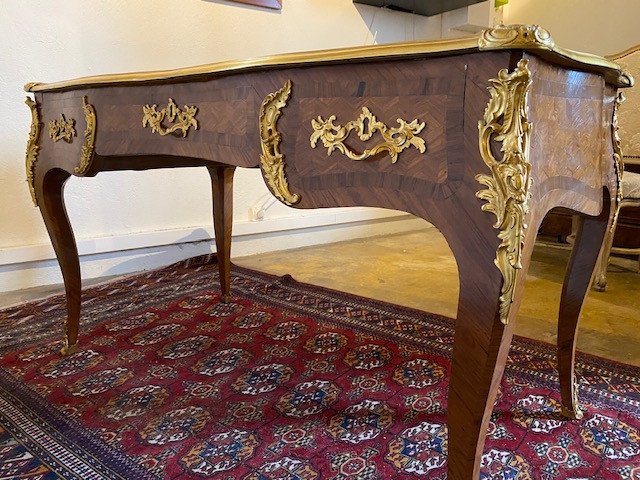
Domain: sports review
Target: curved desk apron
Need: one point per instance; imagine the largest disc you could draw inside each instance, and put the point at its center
(480, 137)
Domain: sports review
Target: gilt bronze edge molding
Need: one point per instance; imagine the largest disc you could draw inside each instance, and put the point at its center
(533, 38)
(271, 159)
(32, 147)
(396, 140)
(491, 39)
(86, 153)
(515, 36)
(186, 118)
(508, 187)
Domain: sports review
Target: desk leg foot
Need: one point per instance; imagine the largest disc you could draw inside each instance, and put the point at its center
(222, 190)
(69, 350)
(584, 257)
(600, 285)
(575, 414)
(50, 195)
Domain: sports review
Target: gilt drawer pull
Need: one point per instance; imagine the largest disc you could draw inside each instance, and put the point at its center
(395, 139)
(186, 118)
(62, 129)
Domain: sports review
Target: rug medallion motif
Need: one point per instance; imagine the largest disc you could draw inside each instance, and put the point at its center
(286, 381)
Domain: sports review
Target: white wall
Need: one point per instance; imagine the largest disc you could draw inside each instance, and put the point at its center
(594, 26)
(55, 40)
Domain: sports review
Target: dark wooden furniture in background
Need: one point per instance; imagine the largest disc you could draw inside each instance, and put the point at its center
(481, 137)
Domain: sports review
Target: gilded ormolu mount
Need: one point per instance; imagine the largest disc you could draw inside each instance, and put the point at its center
(535, 39)
(32, 148)
(508, 187)
(271, 159)
(617, 157)
(184, 118)
(86, 154)
(515, 36)
(395, 140)
(62, 129)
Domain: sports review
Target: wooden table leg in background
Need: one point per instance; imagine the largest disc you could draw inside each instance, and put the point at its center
(588, 245)
(49, 192)
(222, 189)
(49, 189)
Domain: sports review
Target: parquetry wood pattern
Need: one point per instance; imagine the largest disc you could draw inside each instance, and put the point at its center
(571, 157)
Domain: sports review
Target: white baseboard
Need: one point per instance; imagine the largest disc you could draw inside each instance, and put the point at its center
(34, 265)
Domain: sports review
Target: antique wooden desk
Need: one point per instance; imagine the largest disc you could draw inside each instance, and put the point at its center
(481, 137)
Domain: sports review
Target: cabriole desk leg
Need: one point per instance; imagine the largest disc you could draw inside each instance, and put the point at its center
(222, 190)
(480, 350)
(49, 190)
(584, 257)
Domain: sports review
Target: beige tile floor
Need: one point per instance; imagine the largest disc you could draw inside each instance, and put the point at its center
(417, 269)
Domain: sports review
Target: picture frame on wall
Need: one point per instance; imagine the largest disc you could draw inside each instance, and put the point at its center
(275, 4)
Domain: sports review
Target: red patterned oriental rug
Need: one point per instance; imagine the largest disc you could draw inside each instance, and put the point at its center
(289, 381)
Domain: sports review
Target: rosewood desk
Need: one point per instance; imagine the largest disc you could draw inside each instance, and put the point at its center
(480, 137)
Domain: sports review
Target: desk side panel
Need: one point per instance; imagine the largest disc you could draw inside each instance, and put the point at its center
(62, 154)
(571, 151)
